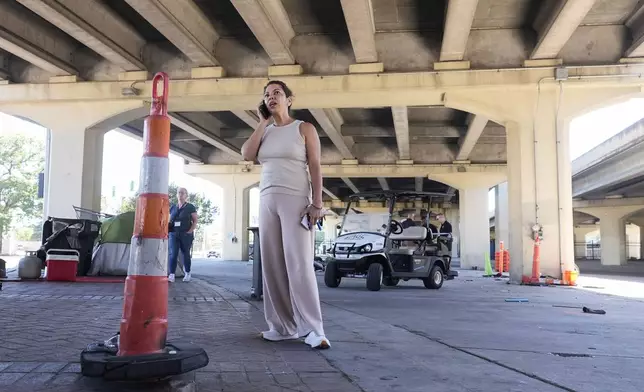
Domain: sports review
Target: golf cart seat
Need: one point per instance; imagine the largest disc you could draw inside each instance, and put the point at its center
(413, 233)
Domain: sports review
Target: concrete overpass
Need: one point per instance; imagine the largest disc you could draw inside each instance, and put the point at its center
(455, 95)
(615, 168)
(608, 187)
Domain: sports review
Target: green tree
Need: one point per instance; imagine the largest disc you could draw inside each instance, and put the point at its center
(22, 158)
(24, 233)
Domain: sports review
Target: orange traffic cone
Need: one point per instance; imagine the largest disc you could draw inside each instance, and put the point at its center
(536, 273)
(144, 323)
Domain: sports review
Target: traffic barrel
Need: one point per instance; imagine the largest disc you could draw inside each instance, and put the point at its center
(144, 324)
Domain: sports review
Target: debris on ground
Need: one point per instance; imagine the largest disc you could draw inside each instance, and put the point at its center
(516, 300)
(593, 311)
(583, 309)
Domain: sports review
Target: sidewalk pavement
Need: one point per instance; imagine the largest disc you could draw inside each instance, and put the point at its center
(45, 326)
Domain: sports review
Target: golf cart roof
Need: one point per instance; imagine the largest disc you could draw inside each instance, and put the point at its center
(397, 194)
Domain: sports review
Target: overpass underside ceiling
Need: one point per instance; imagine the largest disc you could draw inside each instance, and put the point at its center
(630, 188)
(324, 37)
(370, 136)
(339, 187)
(580, 218)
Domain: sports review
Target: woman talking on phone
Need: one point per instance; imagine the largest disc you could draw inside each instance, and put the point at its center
(290, 205)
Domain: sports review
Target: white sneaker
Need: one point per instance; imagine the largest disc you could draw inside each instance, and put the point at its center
(316, 341)
(275, 336)
(171, 278)
(187, 277)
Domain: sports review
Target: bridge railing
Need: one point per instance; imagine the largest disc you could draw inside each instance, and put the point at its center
(592, 250)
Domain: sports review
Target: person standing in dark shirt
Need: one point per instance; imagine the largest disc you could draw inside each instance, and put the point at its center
(183, 222)
(445, 228)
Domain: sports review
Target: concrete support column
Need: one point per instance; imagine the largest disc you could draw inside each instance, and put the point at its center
(539, 192)
(636, 239)
(501, 217)
(235, 214)
(612, 231)
(74, 172)
(474, 227)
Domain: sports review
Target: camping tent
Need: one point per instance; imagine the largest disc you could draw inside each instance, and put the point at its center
(112, 253)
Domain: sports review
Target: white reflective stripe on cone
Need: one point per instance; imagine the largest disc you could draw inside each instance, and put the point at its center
(148, 257)
(154, 175)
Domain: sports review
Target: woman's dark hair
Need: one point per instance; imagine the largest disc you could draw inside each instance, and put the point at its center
(284, 87)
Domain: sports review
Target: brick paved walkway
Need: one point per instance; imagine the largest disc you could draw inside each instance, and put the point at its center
(44, 326)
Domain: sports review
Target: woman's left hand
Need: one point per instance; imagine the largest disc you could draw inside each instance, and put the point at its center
(314, 213)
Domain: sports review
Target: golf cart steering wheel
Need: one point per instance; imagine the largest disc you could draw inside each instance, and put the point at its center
(396, 227)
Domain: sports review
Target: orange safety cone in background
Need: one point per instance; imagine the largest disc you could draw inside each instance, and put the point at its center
(501, 257)
(536, 273)
(144, 324)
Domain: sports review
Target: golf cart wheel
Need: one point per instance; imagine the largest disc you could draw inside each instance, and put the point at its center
(332, 276)
(435, 279)
(389, 281)
(374, 277)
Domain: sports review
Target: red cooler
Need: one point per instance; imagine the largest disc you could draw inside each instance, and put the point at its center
(62, 264)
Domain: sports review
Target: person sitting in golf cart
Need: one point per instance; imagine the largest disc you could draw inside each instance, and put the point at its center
(409, 222)
(432, 230)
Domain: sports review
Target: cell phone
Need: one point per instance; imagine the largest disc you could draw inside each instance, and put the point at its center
(306, 222)
(263, 109)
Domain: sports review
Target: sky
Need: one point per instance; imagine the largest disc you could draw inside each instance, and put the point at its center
(122, 153)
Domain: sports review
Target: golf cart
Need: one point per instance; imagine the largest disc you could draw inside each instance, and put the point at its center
(375, 246)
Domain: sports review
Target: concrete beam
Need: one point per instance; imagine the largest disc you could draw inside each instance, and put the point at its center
(182, 136)
(608, 203)
(415, 130)
(474, 130)
(359, 171)
(330, 194)
(556, 23)
(450, 194)
(183, 24)
(4, 66)
(331, 122)
(418, 131)
(378, 206)
(337, 91)
(268, 20)
(350, 184)
(635, 23)
(24, 35)
(196, 130)
(419, 184)
(637, 188)
(362, 31)
(401, 126)
(204, 120)
(458, 22)
(248, 117)
(95, 25)
(383, 183)
(186, 153)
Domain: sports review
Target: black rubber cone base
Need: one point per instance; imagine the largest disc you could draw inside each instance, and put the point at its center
(99, 360)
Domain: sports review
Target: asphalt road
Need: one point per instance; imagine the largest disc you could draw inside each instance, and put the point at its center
(466, 337)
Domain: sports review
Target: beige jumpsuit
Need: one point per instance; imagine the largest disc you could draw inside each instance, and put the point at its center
(291, 299)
